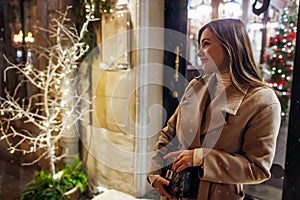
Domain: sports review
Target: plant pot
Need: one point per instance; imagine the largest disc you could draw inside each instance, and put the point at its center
(73, 194)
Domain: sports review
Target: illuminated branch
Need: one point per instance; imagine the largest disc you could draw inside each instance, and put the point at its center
(56, 106)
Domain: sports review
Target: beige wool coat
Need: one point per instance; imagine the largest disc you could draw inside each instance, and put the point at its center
(236, 131)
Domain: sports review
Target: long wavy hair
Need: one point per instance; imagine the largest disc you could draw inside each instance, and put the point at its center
(236, 43)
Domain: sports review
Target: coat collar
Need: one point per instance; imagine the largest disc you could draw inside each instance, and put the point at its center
(234, 97)
(198, 95)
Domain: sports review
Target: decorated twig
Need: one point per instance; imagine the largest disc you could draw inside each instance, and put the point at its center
(57, 106)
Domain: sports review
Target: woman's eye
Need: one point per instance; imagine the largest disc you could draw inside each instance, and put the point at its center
(204, 44)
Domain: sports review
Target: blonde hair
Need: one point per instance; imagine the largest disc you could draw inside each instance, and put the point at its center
(235, 41)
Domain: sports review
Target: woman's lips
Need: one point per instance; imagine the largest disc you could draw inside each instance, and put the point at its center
(203, 60)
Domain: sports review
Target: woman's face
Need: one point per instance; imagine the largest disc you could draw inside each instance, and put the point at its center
(212, 54)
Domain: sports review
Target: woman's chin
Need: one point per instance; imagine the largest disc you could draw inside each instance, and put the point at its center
(208, 69)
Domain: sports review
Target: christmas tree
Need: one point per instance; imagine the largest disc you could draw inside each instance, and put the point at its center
(280, 61)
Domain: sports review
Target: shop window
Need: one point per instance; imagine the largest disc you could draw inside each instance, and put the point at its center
(273, 38)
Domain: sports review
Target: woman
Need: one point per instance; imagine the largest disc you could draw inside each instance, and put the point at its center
(226, 124)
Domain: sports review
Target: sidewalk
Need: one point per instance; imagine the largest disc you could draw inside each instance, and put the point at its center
(13, 179)
(116, 195)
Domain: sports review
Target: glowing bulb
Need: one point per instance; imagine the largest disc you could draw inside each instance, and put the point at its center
(57, 175)
(53, 151)
(19, 54)
(66, 91)
(28, 66)
(29, 38)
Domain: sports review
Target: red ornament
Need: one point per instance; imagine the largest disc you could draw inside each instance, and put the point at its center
(280, 37)
(281, 60)
(266, 57)
(288, 68)
(291, 36)
(281, 83)
(271, 42)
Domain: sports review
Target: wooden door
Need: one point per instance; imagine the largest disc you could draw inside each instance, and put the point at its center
(174, 55)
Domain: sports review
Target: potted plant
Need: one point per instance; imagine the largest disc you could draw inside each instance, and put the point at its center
(66, 184)
(51, 111)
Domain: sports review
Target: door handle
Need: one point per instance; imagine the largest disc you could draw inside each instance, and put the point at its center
(176, 75)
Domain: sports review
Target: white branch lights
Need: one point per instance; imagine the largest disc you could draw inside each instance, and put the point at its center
(56, 106)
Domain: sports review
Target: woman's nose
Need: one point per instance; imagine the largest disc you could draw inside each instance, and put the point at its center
(200, 52)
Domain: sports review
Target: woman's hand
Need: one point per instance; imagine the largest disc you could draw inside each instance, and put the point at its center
(184, 159)
(159, 185)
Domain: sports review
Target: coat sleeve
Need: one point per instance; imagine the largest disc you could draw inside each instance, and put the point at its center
(252, 164)
(167, 139)
(163, 145)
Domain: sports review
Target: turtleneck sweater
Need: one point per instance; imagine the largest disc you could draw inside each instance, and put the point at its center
(223, 81)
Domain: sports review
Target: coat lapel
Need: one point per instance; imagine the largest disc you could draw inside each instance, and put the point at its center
(192, 108)
(234, 99)
(192, 122)
(226, 103)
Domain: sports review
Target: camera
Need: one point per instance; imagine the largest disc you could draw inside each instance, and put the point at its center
(183, 184)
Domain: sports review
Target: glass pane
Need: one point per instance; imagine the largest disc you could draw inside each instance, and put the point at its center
(273, 44)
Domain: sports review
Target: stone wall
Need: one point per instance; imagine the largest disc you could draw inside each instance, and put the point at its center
(110, 144)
